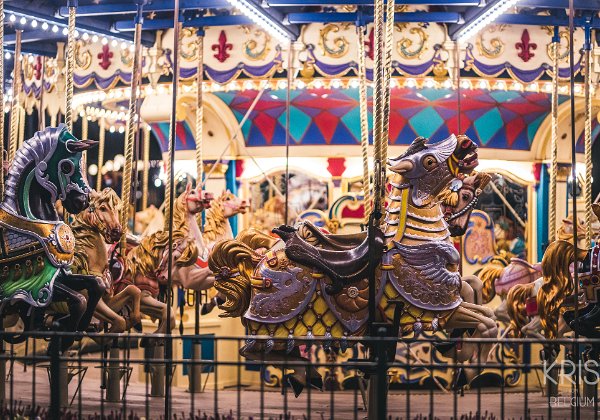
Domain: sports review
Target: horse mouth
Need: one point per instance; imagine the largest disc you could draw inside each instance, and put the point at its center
(112, 236)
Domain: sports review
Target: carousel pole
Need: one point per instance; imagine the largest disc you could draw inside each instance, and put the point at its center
(14, 111)
(574, 197)
(84, 135)
(41, 112)
(554, 145)
(146, 173)
(70, 64)
(171, 202)
(195, 385)
(101, 140)
(2, 353)
(364, 117)
(288, 107)
(131, 125)
(588, 136)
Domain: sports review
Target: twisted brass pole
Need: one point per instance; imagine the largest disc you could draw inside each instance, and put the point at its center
(101, 140)
(554, 145)
(146, 178)
(587, 190)
(84, 136)
(14, 112)
(378, 94)
(131, 129)
(200, 108)
(364, 121)
(70, 63)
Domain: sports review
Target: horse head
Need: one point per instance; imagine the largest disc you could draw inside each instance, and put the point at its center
(459, 198)
(232, 205)
(429, 167)
(104, 213)
(196, 200)
(54, 157)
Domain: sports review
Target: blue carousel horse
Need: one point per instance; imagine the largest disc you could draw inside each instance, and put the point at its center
(36, 247)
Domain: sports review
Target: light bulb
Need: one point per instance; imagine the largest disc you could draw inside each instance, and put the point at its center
(65, 31)
(34, 23)
(23, 21)
(55, 29)
(12, 18)
(95, 39)
(45, 26)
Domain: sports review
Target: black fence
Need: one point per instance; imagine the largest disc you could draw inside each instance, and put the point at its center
(130, 376)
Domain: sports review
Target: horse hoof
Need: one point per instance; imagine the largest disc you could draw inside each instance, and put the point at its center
(293, 383)
(316, 382)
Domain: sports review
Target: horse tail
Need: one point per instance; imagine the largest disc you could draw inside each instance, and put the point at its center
(233, 263)
(515, 305)
(557, 283)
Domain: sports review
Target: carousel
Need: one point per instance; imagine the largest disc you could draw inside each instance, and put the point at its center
(241, 209)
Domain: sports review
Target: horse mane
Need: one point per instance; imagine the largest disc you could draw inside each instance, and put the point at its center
(491, 272)
(515, 306)
(36, 149)
(216, 222)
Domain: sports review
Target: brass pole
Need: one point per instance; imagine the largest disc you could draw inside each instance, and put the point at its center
(14, 112)
(101, 140)
(70, 63)
(146, 174)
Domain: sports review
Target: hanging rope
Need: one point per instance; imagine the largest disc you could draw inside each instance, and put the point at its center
(364, 120)
(200, 108)
(588, 139)
(554, 145)
(131, 126)
(14, 112)
(2, 101)
(101, 139)
(70, 62)
(146, 168)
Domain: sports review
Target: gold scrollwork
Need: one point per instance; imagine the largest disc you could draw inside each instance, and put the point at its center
(404, 45)
(496, 46)
(27, 68)
(83, 57)
(254, 49)
(126, 57)
(189, 50)
(563, 52)
(340, 43)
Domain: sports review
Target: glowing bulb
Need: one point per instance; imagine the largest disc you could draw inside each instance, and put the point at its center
(23, 21)
(76, 33)
(123, 45)
(93, 169)
(95, 39)
(85, 36)
(7, 55)
(104, 41)
(65, 31)
(45, 26)
(34, 23)
(157, 182)
(55, 29)
(113, 43)
(112, 129)
(12, 18)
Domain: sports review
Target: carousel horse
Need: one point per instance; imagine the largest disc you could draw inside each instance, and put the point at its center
(37, 247)
(94, 229)
(217, 225)
(504, 271)
(321, 288)
(146, 265)
(535, 309)
(588, 314)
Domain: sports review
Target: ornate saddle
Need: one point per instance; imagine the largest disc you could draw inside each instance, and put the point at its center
(315, 236)
(342, 263)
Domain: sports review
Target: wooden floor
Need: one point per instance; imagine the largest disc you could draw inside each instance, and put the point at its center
(252, 403)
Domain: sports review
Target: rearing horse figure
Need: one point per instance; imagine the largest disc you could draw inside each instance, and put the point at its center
(37, 247)
(94, 229)
(322, 290)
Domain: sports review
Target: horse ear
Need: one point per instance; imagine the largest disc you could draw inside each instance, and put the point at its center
(188, 187)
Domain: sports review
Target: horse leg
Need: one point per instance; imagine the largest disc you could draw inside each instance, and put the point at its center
(533, 328)
(130, 294)
(501, 312)
(158, 310)
(77, 305)
(485, 327)
(477, 287)
(480, 309)
(299, 374)
(105, 313)
(194, 277)
(95, 289)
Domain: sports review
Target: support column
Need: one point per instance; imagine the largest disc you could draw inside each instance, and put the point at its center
(113, 372)
(542, 197)
(231, 185)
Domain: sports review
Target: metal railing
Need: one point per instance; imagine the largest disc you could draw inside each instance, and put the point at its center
(118, 376)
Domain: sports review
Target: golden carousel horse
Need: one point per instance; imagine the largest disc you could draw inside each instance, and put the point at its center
(217, 225)
(321, 289)
(94, 229)
(146, 265)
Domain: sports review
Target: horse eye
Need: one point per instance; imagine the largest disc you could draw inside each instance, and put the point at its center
(429, 162)
(66, 167)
